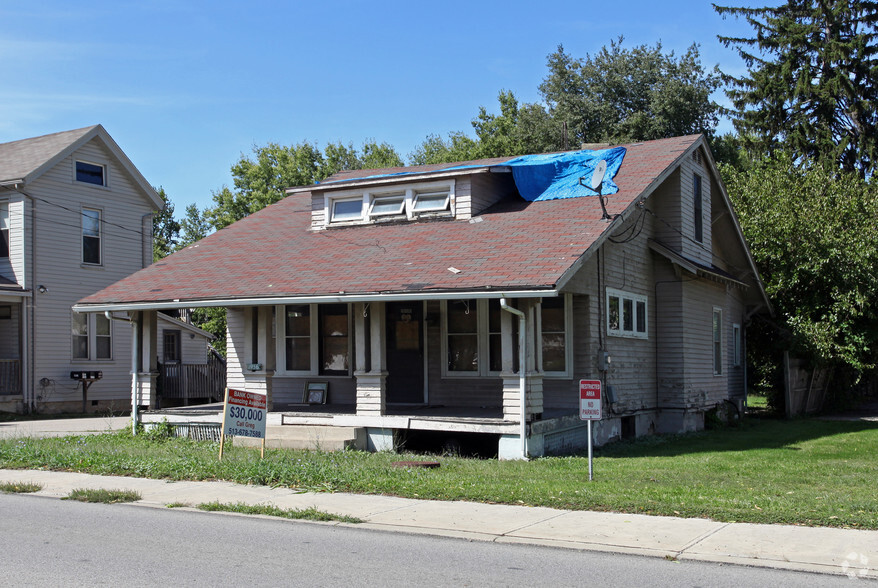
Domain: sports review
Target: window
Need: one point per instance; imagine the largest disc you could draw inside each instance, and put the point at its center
(91, 336)
(627, 314)
(736, 341)
(473, 337)
(334, 339)
(297, 336)
(347, 210)
(698, 209)
(171, 345)
(5, 313)
(91, 236)
(4, 229)
(431, 201)
(316, 339)
(90, 173)
(387, 205)
(390, 203)
(717, 341)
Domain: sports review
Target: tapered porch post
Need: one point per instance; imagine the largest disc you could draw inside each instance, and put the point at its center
(148, 364)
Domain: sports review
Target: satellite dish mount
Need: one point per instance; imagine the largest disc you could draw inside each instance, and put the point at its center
(595, 184)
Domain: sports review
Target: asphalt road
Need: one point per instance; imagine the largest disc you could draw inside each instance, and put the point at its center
(49, 542)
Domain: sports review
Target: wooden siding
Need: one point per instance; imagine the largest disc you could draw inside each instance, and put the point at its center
(59, 268)
(236, 350)
(10, 331)
(12, 267)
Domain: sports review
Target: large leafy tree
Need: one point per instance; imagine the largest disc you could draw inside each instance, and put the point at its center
(812, 80)
(165, 229)
(634, 94)
(812, 231)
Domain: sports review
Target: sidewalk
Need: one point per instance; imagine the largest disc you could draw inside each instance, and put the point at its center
(812, 549)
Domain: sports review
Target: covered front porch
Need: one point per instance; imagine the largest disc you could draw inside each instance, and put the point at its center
(389, 367)
(12, 351)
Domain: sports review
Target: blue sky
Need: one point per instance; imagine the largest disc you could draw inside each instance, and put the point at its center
(186, 87)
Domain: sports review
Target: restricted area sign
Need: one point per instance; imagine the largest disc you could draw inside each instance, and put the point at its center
(590, 400)
(245, 414)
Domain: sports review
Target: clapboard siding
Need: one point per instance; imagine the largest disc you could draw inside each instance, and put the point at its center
(236, 347)
(9, 331)
(58, 239)
(690, 247)
(13, 267)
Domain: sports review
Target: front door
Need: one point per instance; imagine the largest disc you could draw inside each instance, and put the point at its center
(405, 352)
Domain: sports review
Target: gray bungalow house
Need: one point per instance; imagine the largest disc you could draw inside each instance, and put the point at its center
(471, 298)
(75, 217)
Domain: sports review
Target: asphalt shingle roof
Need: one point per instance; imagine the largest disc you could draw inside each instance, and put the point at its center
(19, 159)
(273, 253)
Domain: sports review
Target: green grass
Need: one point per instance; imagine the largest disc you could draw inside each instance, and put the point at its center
(20, 487)
(309, 514)
(103, 496)
(757, 402)
(806, 472)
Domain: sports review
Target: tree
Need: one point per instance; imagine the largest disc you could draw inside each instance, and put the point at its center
(517, 130)
(813, 236)
(193, 227)
(812, 84)
(165, 230)
(634, 94)
(435, 149)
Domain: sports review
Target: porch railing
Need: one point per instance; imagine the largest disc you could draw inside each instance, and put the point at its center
(10, 377)
(187, 381)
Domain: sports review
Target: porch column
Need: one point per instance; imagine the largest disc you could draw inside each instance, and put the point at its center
(511, 380)
(372, 385)
(148, 363)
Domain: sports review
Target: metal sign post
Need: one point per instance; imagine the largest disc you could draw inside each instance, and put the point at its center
(590, 410)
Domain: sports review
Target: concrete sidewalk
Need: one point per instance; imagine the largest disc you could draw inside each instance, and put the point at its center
(813, 549)
(63, 427)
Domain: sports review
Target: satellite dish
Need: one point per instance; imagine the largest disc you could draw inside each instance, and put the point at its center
(597, 176)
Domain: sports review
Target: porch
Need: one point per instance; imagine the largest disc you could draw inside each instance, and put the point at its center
(10, 377)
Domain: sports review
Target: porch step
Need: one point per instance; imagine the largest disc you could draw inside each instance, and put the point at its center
(309, 437)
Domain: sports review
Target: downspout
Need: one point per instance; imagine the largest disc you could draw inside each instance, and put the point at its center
(134, 333)
(522, 367)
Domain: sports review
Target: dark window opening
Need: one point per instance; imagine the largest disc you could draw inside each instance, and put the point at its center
(90, 173)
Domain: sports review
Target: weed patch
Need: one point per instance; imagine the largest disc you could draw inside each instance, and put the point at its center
(103, 496)
(20, 487)
(310, 514)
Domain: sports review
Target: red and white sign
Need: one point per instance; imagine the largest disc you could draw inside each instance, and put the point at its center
(245, 414)
(590, 400)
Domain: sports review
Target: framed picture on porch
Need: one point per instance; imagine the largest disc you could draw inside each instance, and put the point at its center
(315, 392)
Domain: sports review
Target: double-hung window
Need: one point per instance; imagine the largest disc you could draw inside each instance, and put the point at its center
(316, 339)
(627, 314)
(473, 344)
(91, 236)
(717, 341)
(4, 229)
(92, 337)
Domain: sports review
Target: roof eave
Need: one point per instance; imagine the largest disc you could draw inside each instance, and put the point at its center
(532, 292)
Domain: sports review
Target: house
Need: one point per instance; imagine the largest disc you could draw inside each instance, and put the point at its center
(75, 217)
(190, 370)
(413, 296)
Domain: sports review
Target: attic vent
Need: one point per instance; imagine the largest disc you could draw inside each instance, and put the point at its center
(696, 156)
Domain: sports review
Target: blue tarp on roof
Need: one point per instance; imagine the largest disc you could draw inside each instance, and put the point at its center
(551, 176)
(555, 176)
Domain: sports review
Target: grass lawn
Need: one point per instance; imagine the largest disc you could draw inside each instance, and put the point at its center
(805, 472)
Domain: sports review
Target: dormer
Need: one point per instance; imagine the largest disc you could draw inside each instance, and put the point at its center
(411, 197)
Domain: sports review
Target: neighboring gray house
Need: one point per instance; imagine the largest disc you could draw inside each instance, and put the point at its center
(75, 216)
(415, 296)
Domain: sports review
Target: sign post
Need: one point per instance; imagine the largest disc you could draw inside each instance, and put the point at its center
(590, 410)
(244, 415)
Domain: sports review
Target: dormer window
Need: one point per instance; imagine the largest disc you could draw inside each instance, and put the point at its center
(387, 205)
(434, 199)
(431, 201)
(347, 210)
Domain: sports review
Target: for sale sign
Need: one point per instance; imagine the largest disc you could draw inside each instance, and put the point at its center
(245, 414)
(590, 400)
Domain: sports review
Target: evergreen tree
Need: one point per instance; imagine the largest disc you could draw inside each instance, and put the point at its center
(811, 85)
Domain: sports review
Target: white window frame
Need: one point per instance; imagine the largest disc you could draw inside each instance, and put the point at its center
(635, 299)
(103, 166)
(737, 344)
(91, 334)
(4, 228)
(716, 340)
(379, 198)
(100, 236)
(407, 210)
(280, 330)
(483, 334)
